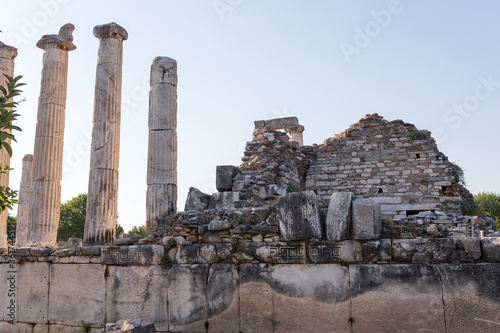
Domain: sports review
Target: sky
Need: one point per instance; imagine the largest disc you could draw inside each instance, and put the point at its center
(435, 64)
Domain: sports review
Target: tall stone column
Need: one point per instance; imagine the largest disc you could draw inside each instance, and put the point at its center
(161, 197)
(102, 197)
(23, 207)
(45, 202)
(7, 56)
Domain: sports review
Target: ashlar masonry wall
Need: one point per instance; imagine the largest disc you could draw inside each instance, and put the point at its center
(392, 163)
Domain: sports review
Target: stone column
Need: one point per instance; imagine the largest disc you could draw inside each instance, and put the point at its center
(7, 56)
(23, 207)
(102, 197)
(45, 201)
(161, 197)
(296, 134)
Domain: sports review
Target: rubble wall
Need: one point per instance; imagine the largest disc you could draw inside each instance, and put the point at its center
(433, 285)
(393, 163)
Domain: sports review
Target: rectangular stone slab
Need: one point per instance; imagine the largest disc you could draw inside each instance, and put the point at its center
(471, 294)
(338, 218)
(299, 216)
(77, 289)
(396, 298)
(223, 299)
(137, 292)
(33, 297)
(366, 219)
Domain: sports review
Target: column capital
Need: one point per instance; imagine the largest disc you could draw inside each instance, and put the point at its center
(112, 30)
(8, 52)
(164, 70)
(61, 41)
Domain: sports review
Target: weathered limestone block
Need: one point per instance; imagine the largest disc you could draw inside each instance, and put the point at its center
(132, 255)
(136, 292)
(218, 224)
(4, 290)
(276, 253)
(223, 298)
(338, 218)
(188, 254)
(187, 294)
(490, 247)
(329, 252)
(224, 177)
(377, 250)
(7, 56)
(49, 137)
(436, 250)
(70, 329)
(471, 296)
(299, 216)
(33, 297)
(305, 293)
(256, 298)
(23, 207)
(222, 200)
(396, 298)
(100, 223)
(280, 123)
(23, 328)
(214, 253)
(366, 219)
(197, 200)
(77, 289)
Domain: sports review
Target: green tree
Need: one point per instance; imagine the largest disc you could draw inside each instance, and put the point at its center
(12, 223)
(140, 230)
(490, 204)
(8, 114)
(72, 219)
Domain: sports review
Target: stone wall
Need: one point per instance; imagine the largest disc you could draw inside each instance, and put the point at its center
(393, 163)
(436, 285)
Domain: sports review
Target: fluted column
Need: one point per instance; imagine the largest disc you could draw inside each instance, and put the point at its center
(102, 197)
(45, 202)
(23, 207)
(161, 196)
(7, 56)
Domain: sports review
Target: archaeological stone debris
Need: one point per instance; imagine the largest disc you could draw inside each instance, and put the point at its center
(361, 233)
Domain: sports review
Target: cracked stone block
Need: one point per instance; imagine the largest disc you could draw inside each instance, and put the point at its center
(338, 216)
(222, 298)
(299, 216)
(366, 219)
(302, 294)
(222, 200)
(224, 177)
(187, 294)
(197, 200)
(491, 249)
(436, 250)
(396, 298)
(377, 250)
(471, 295)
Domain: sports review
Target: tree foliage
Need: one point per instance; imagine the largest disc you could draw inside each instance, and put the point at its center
(12, 224)
(490, 204)
(140, 230)
(8, 114)
(72, 219)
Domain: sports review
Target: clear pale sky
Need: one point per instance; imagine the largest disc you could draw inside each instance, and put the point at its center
(435, 64)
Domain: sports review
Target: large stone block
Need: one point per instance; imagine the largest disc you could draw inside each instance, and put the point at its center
(377, 250)
(276, 253)
(132, 255)
(223, 298)
(77, 289)
(137, 292)
(6, 327)
(338, 217)
(490, 247)
(366, 219)
(187, 294)
(222, 200)
(224, 177)
(256, 298)
(471, 295)
(197, 200)
(396, 298)
(331, 252)
(311, 298)
(33, 297)
(299, 216)
(70, 329)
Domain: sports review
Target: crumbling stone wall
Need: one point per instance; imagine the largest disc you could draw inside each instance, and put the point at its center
(393, 163)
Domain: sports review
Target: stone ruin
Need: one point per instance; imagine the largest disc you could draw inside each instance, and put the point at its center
(362, 233)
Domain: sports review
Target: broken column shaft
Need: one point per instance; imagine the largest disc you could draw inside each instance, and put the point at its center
(102, 198)
(23, 207)
(7, 56)
(161, 197)
(45, 201)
